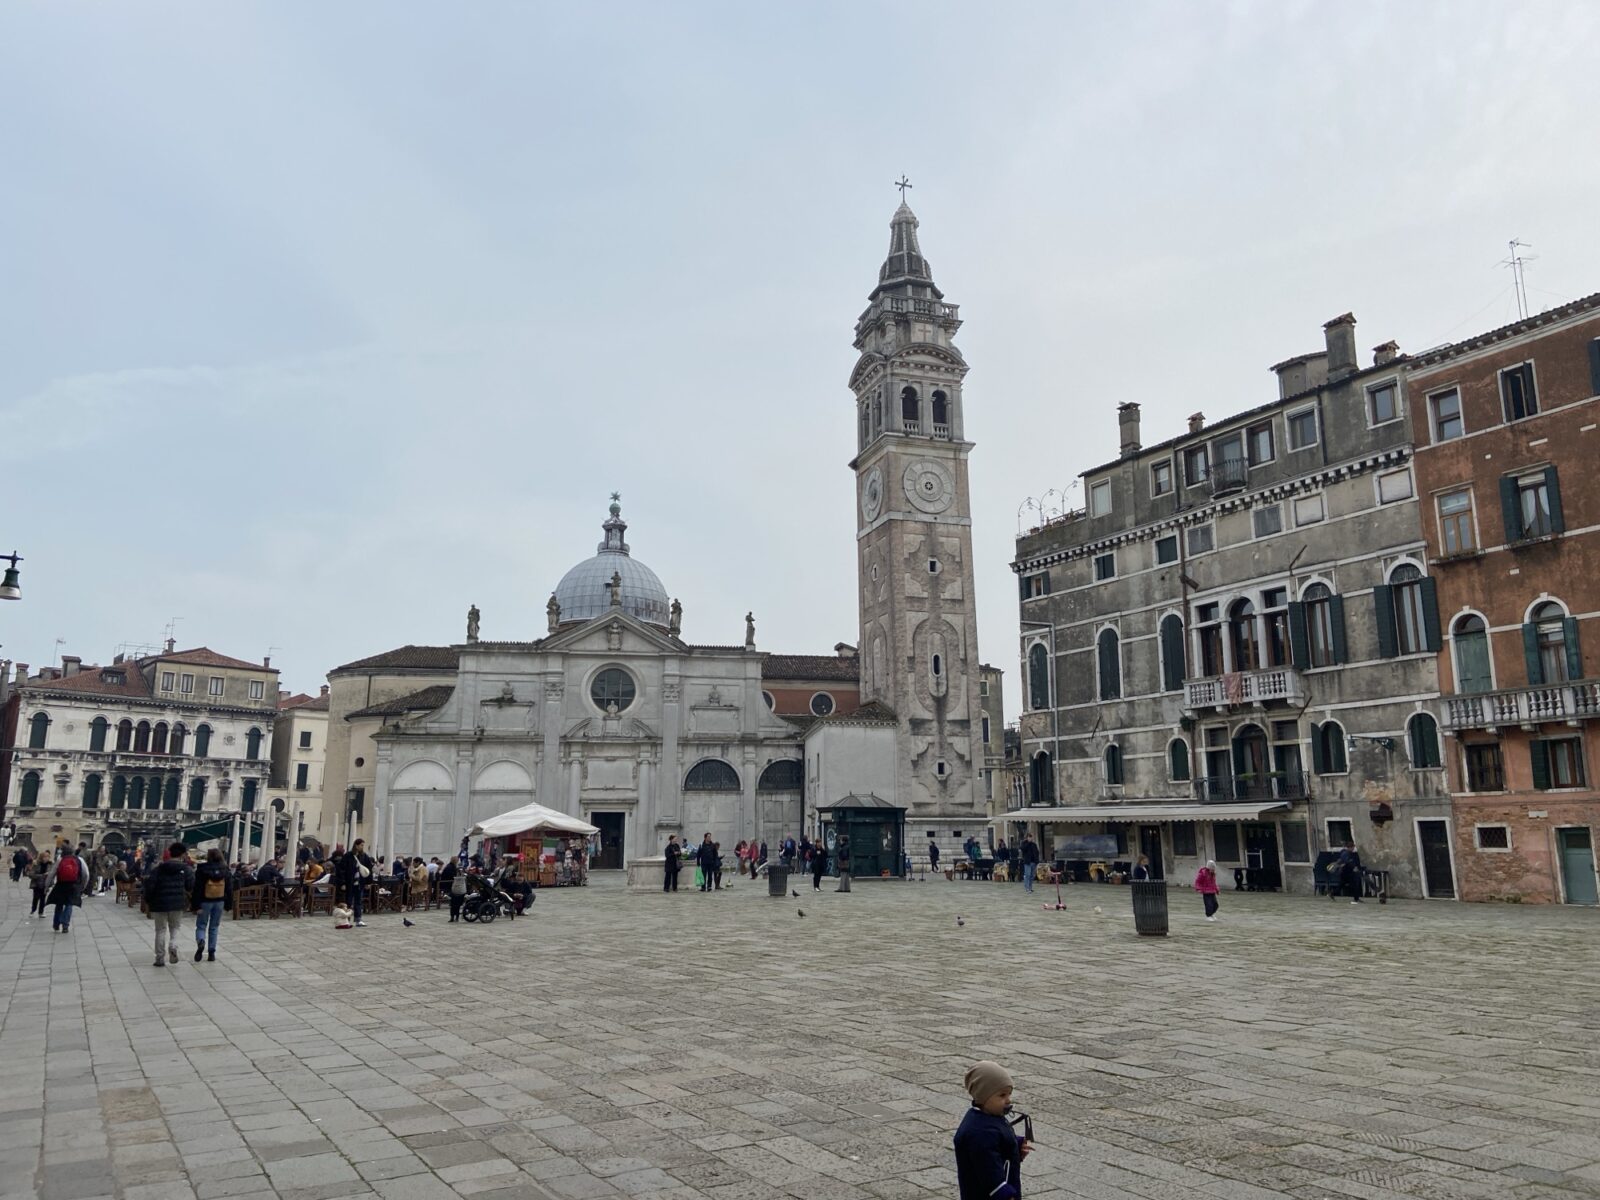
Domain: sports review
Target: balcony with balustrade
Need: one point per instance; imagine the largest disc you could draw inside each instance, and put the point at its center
(1524, 707)
(1245, 688)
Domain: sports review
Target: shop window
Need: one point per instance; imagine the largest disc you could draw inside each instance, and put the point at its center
(1183, 840)
(1296, 841)
(1225, 842)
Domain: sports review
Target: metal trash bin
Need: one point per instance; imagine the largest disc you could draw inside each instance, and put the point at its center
(1150, 907)
(777, 880)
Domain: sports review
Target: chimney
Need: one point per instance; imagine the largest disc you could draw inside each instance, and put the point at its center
(117, 661)
(266, 660)
(1197, 422)
(1385, 353)
(70, 664)
(1341, 335)
(172, 645)
(22, 673)
(1128, 426)
(324, 695)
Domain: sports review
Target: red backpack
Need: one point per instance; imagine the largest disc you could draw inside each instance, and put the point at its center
(67, 869)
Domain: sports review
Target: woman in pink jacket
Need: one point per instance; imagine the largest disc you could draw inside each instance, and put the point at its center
(1205, 882)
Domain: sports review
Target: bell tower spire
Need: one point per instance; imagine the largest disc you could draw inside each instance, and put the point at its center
(919, 636)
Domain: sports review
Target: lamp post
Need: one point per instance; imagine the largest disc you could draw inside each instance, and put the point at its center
(11, 585)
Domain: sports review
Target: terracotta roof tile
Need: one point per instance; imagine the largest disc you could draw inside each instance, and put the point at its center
(426, 700)
(91, 681)
(408, 658)
(811, 666)
(202, 656)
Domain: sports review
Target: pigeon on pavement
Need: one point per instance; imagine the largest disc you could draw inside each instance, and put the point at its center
(794, 893)
(801, 911)
(407, 922)
(961, 921)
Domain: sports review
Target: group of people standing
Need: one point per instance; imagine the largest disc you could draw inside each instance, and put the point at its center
(751, 856)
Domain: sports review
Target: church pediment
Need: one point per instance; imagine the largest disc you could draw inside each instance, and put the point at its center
(929, 350)
(615, 632)
(868, 364)
(627, 729)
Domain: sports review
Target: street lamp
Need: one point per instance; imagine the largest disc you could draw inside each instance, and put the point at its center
(11, 586)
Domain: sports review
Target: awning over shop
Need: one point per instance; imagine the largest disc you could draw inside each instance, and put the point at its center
(530, 818)
(206, 831)
(856, 803)
(1133, 814)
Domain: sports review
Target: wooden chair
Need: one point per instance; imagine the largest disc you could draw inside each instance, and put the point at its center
(249, 901)
(319, 899)
(125, 892)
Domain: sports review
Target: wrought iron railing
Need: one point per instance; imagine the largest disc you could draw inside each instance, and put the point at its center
(1274, 785)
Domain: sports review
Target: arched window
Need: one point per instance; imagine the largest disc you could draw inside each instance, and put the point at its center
(866, 424)
(1251, 770)
(910, 409)
(1172, 653)
(202, 741)
(941, 412)
(197, 794)
(1471, 640)
(179, 733)
(1041, 779)
(97, 734)
(1113, 757)
(1110, 655)
(938, 666)
(252, 744)
(711, 775)
(1422, 738)
(158, 738)
(247, 802)
(784, 775)
(141, 738)
(1243, 636)
(38, 729)
(1319, 615)
(136, 792)
(91, 791)
(169, 795)
(124, 734)
(119, 790)
(1410, 632)
(1550, 640)
(1327, 749)
(877, 413)
(1178, 760)
(30, 789)
(1038, 677)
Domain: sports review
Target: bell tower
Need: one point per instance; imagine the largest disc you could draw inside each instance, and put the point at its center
(919, 634)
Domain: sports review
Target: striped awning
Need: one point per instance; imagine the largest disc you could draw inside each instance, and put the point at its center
(1134, 814)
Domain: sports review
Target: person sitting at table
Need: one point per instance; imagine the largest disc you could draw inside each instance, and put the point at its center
(419, 881)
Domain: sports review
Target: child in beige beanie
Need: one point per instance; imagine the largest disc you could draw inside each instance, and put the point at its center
(988, 1154)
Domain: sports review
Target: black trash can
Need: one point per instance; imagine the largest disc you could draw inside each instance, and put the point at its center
(777, 880)
(1150, 907)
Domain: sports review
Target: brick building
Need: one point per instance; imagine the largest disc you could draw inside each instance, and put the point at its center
(1508, 431)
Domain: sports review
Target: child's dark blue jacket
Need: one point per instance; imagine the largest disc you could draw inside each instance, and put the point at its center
(988, 1158)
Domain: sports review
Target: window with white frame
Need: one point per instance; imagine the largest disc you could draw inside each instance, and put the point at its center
(1517, 396)
(1493, 839)
(1161, 477)
(168, 678)
(1302, 427)
(1202, 539)
(258, 689)
(1444, 415)
(1457, 531)
(1260, 441)
(1267, 520)
(1100, 498)
(1196, 466)
(1383, 403)
(1396, 485)
(214, 685)
(186, 685)
(1308, 510)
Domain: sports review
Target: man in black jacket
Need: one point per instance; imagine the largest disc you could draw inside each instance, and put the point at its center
(166, 892)
(669, 881)
(706, 859)
(1030, 861)
(353, 873)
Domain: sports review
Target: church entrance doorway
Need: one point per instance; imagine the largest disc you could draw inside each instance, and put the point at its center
(611, 826)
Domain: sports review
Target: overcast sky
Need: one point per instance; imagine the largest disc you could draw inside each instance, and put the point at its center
(320, 322)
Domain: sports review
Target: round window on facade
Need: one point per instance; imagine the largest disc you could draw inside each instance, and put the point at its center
(771, 703)
(613, 686)
(822, 704)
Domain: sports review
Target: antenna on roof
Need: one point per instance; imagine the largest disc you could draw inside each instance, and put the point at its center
(56, 654)
(171, 630)
(1516, 263)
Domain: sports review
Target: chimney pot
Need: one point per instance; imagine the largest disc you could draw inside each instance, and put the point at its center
(1385, 353)
(22, 672)
(172, 645)
(1197, 422)
(266, 660)
(70, 664)
(1128, 425)
(1341, 338)
(324, 689)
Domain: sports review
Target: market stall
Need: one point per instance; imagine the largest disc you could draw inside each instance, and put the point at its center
(550, 848)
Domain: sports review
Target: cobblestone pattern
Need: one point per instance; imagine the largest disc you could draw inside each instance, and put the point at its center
(722, 1046)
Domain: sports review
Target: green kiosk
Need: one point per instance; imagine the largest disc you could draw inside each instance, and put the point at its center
(877, 831)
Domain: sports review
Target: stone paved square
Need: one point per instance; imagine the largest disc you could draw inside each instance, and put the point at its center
(721, 1046)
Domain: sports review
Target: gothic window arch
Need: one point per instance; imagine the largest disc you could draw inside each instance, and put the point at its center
(97, 734)
(711, 775)
(158, 738)
(252, 743)
(1422, 740)
(1109, 655)
(941, 410)
(202, 741)
(1042, 779)
(30, 789)
(124, 734)
(1171, 642)
(1038, 677)
(197, 794)
(1178, 760)
(38, 730)
(784, 775)
(141, 738)
(910, 409)
(91, 791)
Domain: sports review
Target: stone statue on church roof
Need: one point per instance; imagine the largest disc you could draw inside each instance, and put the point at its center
(616, 589)
(472, 623)
(675, 621)
(552, 612)
(750, 630)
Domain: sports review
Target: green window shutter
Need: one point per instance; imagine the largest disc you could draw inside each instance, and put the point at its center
(1383, 613)
(1430, 614)
(1594, 367)
(1539, 751)
(1552, 490)
(1574, 653)
(1319, 763)
(1336, 753)
(1172, 654)
(1530, 653)
(1299, 642)
(1047, 583)
(1022, 587)
(1341, 652)
(1180, 761)
(30, 790)
(1510, 510)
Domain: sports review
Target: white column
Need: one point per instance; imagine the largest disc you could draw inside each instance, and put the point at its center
(416, 832)
(233, 840)
(388, 827)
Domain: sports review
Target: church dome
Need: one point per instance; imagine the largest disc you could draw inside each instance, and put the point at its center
(585, 591)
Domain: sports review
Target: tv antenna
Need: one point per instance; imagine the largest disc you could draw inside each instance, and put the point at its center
(1517, 262)
(172, 630)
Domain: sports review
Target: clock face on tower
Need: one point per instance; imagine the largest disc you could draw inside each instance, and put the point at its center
(929, 486)
(872, 494)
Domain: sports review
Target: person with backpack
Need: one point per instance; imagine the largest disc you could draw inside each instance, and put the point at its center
(166, 894)
(211, 897)
(64, 885)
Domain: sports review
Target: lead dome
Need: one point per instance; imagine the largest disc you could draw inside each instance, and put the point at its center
(585, 591)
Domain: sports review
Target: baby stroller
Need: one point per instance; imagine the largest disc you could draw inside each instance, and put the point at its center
(485, 901)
